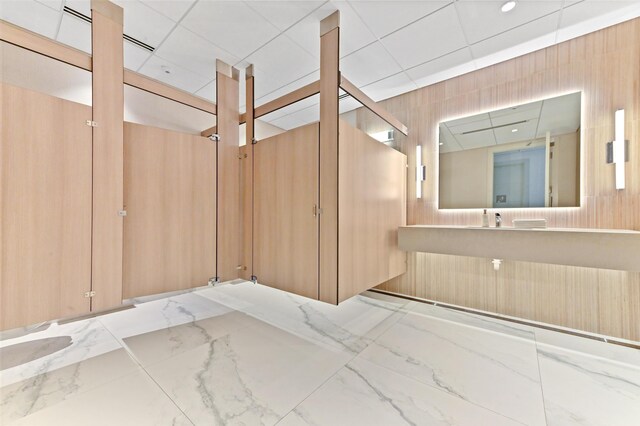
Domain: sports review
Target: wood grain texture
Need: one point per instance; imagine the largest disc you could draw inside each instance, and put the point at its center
(246, 181)
(329, 82)
(45, 208)
(170, 197)
(229, 256)
(605, 66)
(286, 228)
(108, 112)
(44, 46)
(372, 205)
(150, 85)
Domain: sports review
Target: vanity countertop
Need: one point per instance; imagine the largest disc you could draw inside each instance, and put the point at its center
(617, 249)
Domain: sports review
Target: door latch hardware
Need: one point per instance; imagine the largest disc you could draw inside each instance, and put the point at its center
(91, 123)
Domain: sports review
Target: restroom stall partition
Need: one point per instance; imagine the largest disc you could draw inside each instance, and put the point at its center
(328, 199)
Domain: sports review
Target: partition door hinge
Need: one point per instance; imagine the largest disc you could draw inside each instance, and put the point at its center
(317, 211)
(122, 213)
(241, 268)
(214, 137)
(254, 141)
(254, 279)
(91, 123)
(90, 293)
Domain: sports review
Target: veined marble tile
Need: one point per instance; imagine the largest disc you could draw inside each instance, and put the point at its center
(492, 370)
(350, 327)
(162, 313)
(254, 375)
(88, 338)
(363, 393)
(47, 389)
(156, 346)
(131, 400)
(586, 390)
(485, 323)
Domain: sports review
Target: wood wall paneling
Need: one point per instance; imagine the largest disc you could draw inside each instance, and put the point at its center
(170, 197)
(229, 238)
(286, 226)
(605, 66)
(372, 205)
(108, 113)
(329, 85)
(45, 208)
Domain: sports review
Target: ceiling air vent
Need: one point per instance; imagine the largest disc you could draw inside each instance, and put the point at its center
(130, 39)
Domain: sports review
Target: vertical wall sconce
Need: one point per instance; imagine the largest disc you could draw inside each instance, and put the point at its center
(420, 171)
(617, 150)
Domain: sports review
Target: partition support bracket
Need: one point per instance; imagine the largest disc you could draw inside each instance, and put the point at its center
(254, 279)
(214, 137)
(213, 281)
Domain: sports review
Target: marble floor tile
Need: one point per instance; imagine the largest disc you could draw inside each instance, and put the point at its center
(85, 339)
(492, 370)
(363, 393)
(162, 313)
(155, 346)
(45, 390)
(131, 400)
(254, 375)
(582, 389)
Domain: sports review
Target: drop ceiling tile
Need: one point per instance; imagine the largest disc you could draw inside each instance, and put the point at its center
(389, 87)
(476, 140)
(529, 110)
(384, 17)
(193, 52)
(348, 104)
(75, 32)
(308, 115)
(588, 16)
(446, 141)
(82, 6)
(536, 34)
(369, 64)
(172, 9)
(468, 120)
(283, 60)
(143, 23)
(291, 109)
(178, 76)
(53, 4)
(287, 122)
(423, 74)
(208, 92)
(284, 14)
(461, 126)
(233, 26)
(526, 131)
(429, 38)
(134, 56)
(483, 19)
(31, 15)
(560, 115)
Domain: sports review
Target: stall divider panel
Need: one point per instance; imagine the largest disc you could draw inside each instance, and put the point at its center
(372, 200)
(229, 235)
(108, 118)
(45, 208)
(286, 211)
(170, 197)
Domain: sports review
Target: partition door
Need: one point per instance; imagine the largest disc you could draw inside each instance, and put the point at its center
(170, 198)
(45, 239)
(285, 211)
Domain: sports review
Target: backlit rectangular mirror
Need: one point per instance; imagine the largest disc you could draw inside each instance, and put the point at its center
(523, 156)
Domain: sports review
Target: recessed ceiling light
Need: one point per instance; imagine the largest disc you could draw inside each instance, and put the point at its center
(514, 130)
(508, 6)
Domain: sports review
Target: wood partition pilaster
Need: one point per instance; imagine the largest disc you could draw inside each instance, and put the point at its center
(329, 85)
(108, 116)
(247, 189)
(229, 256)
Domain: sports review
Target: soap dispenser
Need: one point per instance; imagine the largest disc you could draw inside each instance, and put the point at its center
(485, 219)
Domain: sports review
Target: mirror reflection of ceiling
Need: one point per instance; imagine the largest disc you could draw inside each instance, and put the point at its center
(527, 122)
(387, 47)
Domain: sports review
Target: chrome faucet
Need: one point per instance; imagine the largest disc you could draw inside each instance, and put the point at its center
(498, 220)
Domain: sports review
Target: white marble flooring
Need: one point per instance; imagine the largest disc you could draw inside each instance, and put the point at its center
(245, 354)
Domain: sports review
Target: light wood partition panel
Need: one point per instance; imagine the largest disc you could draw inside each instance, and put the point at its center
(246, 187)
(329, 86)
(170, 197)
(372, 201)
(229, 238)
(286, 223)
(605, 66)
(45, 208)
(108, 114)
